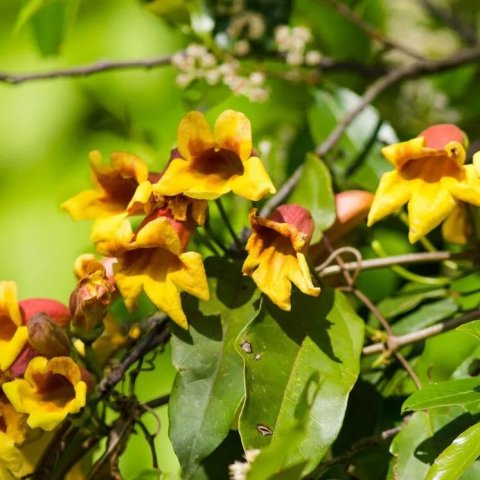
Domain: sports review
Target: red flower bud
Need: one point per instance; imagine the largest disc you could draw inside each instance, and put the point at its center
(437, 136)
(18, 367)
(57, 311)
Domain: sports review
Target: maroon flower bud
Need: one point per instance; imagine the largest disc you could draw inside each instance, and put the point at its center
(47, 338)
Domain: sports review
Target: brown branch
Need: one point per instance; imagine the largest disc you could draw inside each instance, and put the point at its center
(407, 259)
(346, 12)
(85, 70)
(157, 335)
(397, 342)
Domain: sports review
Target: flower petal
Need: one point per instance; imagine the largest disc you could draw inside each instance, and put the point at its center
(194, 136)
(12, 346)
(8, 302)
(233, 131)
(392, 193)
(468, 189)
(456, 227)
(255, 182)
(301, 277)
(192, 278)
(428, 206)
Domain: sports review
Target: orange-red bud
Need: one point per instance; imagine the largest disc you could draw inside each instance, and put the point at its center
(57, 311)
(437, 136)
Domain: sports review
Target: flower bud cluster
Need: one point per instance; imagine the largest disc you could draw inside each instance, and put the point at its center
(292, 42)
(197, 63)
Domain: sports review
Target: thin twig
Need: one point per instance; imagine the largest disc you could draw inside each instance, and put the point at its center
(85, 70)
(345, 11)
(158, 334)
(226, 221)
(157, 402)
(407, 259)
(397, 342)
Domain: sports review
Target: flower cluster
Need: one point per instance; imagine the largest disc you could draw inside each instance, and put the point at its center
(40, 382)
(431, 176)
(144, 220)
(197, 63)
(292, 42)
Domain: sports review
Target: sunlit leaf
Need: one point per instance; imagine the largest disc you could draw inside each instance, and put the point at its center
(456, 458)
(321, 335)
(426, 315)
(473, 328)
(209, 385)
(423, 438)
(441, 394)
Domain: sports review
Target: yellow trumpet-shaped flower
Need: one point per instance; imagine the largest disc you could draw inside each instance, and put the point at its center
(154, 262)
(13, 335)
(209, 164)
(430, 175)
(276, 253)
(49, 391)
(115, 185)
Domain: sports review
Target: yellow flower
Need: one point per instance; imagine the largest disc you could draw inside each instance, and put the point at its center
(50, 390)
(210, 164)
(13, 335)
(115, 186)
(153, 262)
(276, 253)
(430, 175)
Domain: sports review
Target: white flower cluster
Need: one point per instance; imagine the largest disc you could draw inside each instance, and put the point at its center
(198, 63)
(292, 42)
(239, 470)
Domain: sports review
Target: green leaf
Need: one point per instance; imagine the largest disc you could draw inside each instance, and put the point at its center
(473, 328)
(423, 438)
(456, 458)
(441, 394)
(29, 9)
(407, 299)
(314, 192)
(467, 284)
(273, 459)
(49, 26)
(359, 147)
(469, 301)
(321, 335)
(426, 315)
(209, 385)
